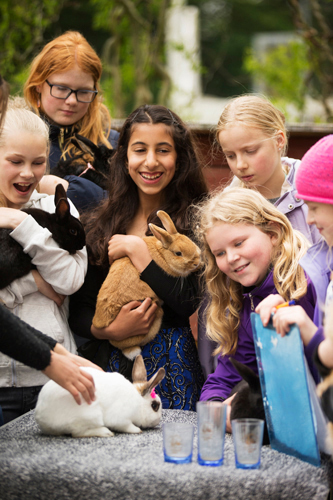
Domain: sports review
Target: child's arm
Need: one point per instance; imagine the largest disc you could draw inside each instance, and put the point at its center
(325, 352)
(284, 317)
(181, 295)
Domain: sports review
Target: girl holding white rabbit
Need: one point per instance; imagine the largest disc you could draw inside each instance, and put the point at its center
(38, 298)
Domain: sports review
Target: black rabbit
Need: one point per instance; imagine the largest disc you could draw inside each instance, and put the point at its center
(66, 230)
(248, 401)
(99, 158)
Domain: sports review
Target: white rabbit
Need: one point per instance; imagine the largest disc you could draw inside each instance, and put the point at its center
(175, 253)
(119, 405)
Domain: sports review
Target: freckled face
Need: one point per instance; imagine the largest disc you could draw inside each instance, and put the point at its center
(241, 251)
(253, 157)
(321, 214)
(152, 158)
(22, 165)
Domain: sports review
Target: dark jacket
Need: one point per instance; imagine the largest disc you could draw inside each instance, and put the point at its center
(82, 192)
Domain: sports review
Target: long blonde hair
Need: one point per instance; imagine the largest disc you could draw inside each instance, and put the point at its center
(239, 206)
(18, 118)
(58, 56)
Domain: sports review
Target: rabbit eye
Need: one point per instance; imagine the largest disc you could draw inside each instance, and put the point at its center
(155, 405)
(73, 232)
(179, 254)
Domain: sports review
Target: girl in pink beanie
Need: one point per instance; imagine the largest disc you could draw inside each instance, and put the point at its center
(314, 183)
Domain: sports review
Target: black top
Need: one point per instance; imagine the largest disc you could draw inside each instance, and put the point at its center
(181, 297)
(22, 342)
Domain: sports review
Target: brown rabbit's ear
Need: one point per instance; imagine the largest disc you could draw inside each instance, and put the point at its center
(153, 382)
(139, 373)
(162, 235)
(167, 222)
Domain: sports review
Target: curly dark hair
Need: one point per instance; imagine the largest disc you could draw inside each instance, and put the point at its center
(187, 186)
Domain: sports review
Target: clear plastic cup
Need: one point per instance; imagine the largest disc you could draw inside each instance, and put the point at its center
(247, 436)
(211, 432)
(178, 442)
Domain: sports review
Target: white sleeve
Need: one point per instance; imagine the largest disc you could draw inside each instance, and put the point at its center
(14, 293)
(63, 271)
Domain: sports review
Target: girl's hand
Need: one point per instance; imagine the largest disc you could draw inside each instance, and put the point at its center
(286, 316)
(268, 306)
(228, 401)
(65, 371)
(49, 182)
(47, 290)
(134, 318)
(10, 218)
(131, 246)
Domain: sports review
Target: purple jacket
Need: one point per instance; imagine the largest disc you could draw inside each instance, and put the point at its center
(219, 384)
(296, 210)
(317, 263)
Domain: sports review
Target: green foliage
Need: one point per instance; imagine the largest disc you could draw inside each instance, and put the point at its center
(22, 24)
(281, 72)
(133, 54)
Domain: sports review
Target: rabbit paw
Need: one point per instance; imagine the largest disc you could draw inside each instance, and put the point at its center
(132, 352)
(97, 432)
(131, 429)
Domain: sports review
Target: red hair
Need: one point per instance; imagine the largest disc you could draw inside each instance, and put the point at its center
(58, 56)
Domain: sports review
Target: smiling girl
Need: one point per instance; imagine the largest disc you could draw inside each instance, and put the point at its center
(253, 137)
(251, 251)
(154, 168)
(39, 297)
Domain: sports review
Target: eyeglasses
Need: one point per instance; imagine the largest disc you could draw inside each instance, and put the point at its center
(61, 92)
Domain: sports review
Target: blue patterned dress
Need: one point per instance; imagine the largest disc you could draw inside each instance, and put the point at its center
(175, 350)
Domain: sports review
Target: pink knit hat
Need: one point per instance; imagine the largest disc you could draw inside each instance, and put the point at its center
(314, 177)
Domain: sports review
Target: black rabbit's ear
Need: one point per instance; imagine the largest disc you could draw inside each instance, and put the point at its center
(63, 211)
(247, 374)
(84, 144)
(59, 194)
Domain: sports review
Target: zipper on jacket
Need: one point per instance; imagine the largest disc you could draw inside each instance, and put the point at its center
(14, 378)
(251, 299)
(61, 138)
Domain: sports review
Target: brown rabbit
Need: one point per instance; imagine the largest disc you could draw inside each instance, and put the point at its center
(175, 253)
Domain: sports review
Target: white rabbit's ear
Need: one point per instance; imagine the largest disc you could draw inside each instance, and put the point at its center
(167, 222)
(162, 235)
(153, 382)
(139, 373)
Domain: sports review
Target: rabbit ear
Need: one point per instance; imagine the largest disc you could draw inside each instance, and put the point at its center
(153, 382)
(247, 374)
(62, 206)
(59, 193)
(167, 222)
(139, 373)
(84, 144)
(162, 235)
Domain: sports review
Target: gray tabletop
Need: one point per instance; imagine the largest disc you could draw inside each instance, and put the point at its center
(130, 466)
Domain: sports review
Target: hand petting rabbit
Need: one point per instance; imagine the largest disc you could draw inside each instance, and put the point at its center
(119, 405)
(66, 230)
(175, 253)
(248, 402)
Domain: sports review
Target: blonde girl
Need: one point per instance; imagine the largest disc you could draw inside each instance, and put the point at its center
(251, 251)
(253, 136)
(63, 88)
(39, 297)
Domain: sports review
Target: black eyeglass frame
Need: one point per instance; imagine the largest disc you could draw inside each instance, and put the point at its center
(71, 91)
